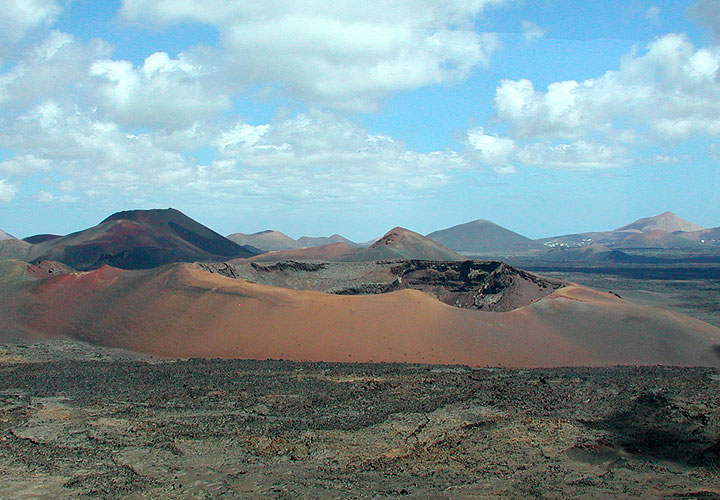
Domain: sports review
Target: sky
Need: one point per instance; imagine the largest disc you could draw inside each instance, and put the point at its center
(315, 117)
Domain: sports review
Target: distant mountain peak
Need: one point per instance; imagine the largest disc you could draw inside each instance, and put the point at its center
(6, 236)
(666, 221)
(394, 235)
(482, 236)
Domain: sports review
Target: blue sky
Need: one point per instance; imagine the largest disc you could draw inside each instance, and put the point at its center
(316, 117)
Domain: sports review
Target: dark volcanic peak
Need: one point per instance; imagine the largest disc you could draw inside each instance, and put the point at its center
(179, 224)
(483, 237)
(139, 239)
(666, 221)
(40, 238)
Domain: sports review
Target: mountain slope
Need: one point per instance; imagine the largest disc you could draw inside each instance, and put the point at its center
(411, 245)
(267, 241)
(666, 230)
(5, 236)
(180, 310)
(309, 241)
(398, 243)
(40, 238)
(705, 236)
(139, 239)
(666, 221)
(483, 237)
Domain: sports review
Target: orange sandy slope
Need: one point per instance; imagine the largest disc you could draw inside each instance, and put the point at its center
(182, 311)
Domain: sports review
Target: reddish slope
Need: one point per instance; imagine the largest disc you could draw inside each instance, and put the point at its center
(398, 243)
(139, 239)
(267, 241)
(310, 241)
(666, 221)
(180, 310)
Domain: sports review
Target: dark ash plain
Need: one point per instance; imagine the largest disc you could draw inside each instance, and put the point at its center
(83, 422)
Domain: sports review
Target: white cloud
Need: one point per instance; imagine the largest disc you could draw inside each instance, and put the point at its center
(308, 157)
(24, 165)
(505, 170)
(56, 66)
(653, 14)
(491, 149)
(674, 89)
(578, 155)
(17, 17)
(707, 12)
(163, 92)
(47, 197)
(339, 53)
(7, 191)
(318, 154)
(531, 31)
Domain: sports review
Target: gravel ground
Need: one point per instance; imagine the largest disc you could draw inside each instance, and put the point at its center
(82, 422)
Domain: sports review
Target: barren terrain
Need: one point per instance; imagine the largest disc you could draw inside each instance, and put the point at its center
(83, 422)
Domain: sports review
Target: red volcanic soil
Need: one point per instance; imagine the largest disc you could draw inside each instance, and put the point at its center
(398, 243)
(182, 311)
(139, 239)
(335, 251)
(656, 238)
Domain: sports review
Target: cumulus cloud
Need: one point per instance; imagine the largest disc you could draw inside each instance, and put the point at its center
(47, 197)
(319, 154)
(17, 17)
(673, 88)
(340, 53)
(578, 155)
(24, 165)
(491, 149)
(311, 156)
(57, 65)
(707, 12)
(163, 92)
(531, 31)
(7, 191)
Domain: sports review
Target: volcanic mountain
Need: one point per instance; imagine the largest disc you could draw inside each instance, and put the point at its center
(482, 237)
(267, 241)
(595, 253)
(398, 243)
(661, 231)
(13, 248)
(705, 236)
(310, 241)
(182, 310)
(139, 239)
(666, 221)
(41, 238)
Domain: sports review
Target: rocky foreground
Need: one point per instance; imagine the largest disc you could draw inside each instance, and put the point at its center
(81, 422)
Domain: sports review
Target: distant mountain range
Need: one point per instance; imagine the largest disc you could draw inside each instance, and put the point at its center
(274, 241)
(309, 241)
(148, 238)
(665, 230)
(398, 243)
